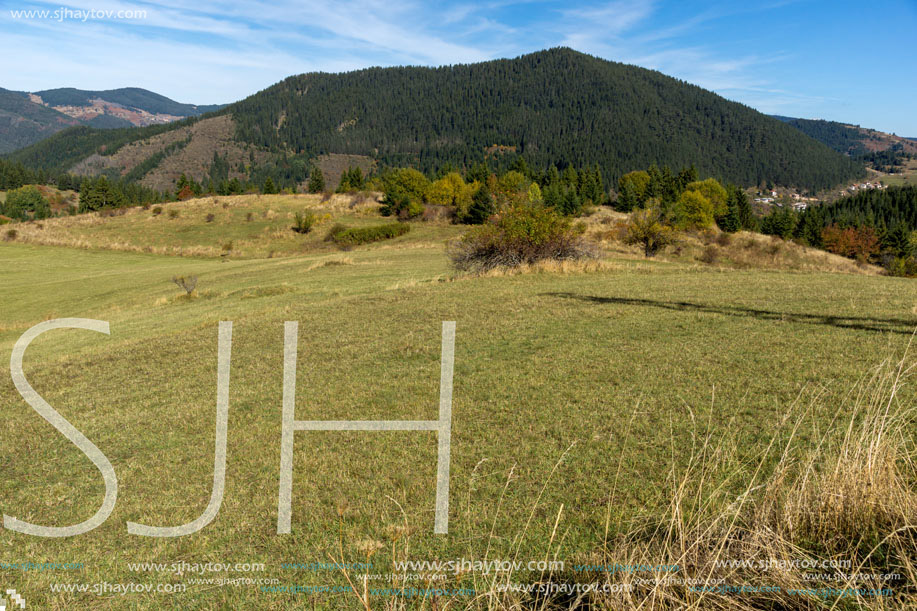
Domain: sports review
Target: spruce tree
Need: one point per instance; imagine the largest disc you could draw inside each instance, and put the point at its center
(316, 181)
(482, 207)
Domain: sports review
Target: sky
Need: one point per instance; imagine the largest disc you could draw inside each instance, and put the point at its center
(842, 60)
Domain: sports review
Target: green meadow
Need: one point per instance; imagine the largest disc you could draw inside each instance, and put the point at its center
(580, 395)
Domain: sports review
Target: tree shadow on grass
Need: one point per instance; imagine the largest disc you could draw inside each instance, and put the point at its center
(861, 323)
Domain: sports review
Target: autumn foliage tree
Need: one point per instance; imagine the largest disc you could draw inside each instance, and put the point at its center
(859, 243)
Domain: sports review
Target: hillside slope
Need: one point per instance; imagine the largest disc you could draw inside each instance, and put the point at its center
(557, 106)
(23, 122)
(26, 118)
(128, 97)
(851, 139)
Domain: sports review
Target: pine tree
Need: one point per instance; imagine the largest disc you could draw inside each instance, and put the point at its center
(316, 181)
(479, 172)
(898, 241)
(482, 207)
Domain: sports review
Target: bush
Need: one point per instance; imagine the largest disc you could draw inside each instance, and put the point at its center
(249, 217)
(364, 235)
(210, 217)
(173, 213)
(723, 239)
(710, 255)
(303, 222)
(157, 210)
(335, 229)
(905, 267)
(524, 233)
(404, 208)
(10, 235)
(646, 228)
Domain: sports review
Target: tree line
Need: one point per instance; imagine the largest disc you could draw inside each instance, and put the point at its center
(877, 226)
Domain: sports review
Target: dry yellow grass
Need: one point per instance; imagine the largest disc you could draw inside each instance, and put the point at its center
(742, 250)
(256, 225)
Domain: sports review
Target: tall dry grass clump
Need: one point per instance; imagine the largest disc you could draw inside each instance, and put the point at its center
(859, 498)
(831, 525)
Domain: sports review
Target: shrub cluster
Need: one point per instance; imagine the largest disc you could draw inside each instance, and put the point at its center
(524, 233)
(303, 222)
(647, 228)
(906, 267)
(25, 203)
(354, 236)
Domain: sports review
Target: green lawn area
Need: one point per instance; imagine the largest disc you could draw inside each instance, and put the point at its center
(620, 369)
(905, 178)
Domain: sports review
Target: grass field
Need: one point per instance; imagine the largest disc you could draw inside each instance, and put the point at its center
(242, 226)
(905, 178)
(579, 398)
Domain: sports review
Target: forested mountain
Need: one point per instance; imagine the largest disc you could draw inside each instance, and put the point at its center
(880, 149)
(23, 122)
(556, 107)
(129, 97)
(26, 118)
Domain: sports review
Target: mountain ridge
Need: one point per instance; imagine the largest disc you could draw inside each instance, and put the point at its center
(29, 117)
(556, 106)
(849, 138)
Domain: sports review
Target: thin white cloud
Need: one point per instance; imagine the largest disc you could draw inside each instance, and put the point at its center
(611, 19)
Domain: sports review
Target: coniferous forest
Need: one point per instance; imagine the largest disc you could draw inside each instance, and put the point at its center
(556, 107)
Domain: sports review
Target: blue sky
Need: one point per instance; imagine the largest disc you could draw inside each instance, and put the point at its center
(849, 61)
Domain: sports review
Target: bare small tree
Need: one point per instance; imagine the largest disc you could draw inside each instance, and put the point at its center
(186, 283)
